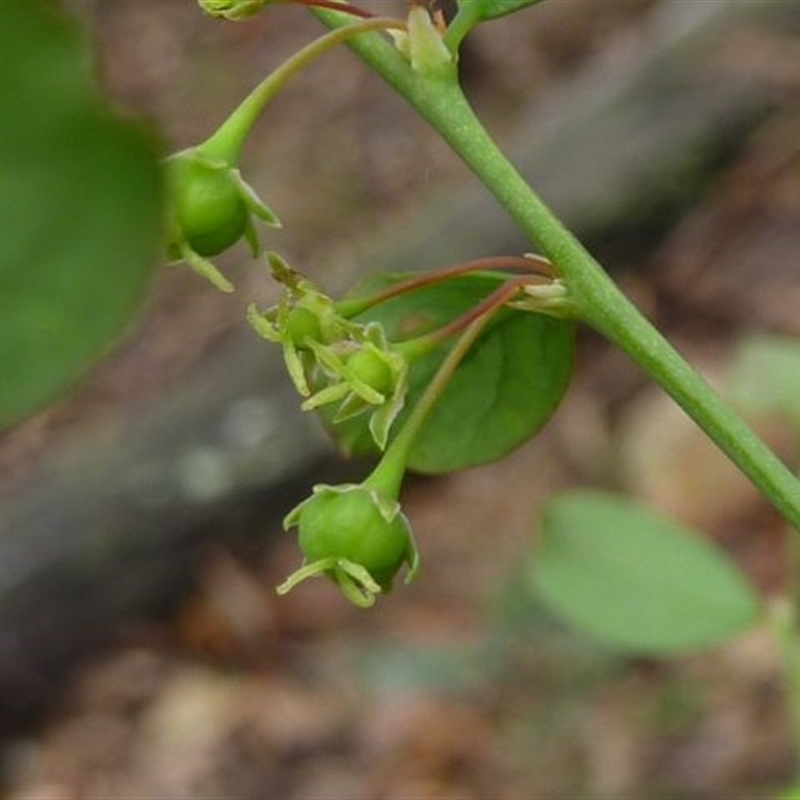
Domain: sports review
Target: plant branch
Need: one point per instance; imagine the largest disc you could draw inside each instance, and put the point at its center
(596, 298)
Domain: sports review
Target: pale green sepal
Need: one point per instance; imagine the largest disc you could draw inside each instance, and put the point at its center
(330, 394)
(234, 10)
(412, 558)
(252, 239)
(552, 297)
(205, 268)
(312, 570)
(337, 368)
(356, 583)
(383, 417)
(262, 325)
(296, 369)
(400, 39)
(429, 55)
(255, 204)
(388, 506)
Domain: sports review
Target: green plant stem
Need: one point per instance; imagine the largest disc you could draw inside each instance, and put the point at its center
(227, 141)
(388, 475)
(466, 18)
(596, 298)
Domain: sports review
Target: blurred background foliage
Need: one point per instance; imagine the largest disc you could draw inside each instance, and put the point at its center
(81, 207)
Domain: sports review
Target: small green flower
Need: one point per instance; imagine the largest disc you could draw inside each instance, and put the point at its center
(423, 46)
(356, 536)
(233, 9)
(365, 374)
(331, 359)
(304, 315)
(210, 208)
(545, 297)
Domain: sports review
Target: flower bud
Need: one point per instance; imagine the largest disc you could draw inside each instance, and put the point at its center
(364, 374)
(210, 209)
(330, 359)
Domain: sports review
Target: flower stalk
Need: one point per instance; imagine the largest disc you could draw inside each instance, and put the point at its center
(227, 141)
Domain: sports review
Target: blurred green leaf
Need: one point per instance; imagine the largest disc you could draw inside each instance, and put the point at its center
(764, 379)
(504, 390)
(637, 580)
(80, 210)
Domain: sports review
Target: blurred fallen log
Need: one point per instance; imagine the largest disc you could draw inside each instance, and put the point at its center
(112, 528)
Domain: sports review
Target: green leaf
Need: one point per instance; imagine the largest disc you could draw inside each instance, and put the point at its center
(789, 793)
(492, 9)
(504, 390)
(80, 210)
(765, 377)
(637, 580)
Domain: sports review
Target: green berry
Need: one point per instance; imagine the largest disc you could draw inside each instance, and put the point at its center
(207, 204)
(370, 367)
(350, 525)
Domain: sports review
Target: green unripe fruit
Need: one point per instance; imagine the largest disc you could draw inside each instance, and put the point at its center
(301, 325)
(351, 525)
(370, 367)
(207, 204)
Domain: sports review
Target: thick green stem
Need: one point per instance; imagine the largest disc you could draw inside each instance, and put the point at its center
(596, 298)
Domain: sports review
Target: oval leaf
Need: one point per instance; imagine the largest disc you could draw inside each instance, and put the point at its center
(765, 377)
(80, 210)
(505, 389)
(637, 580)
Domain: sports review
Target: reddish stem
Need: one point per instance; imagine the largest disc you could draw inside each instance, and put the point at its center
(491, 303)
(532, 264)
(332, 5)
